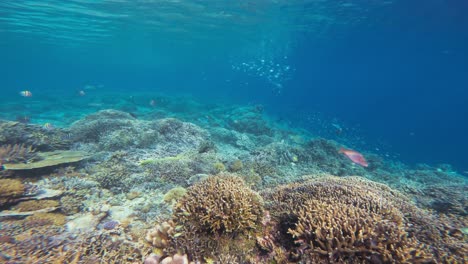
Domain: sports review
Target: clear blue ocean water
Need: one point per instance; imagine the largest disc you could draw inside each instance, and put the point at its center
(394, 74)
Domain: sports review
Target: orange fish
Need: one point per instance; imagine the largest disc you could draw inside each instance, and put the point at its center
(25, 93)
(354, 156)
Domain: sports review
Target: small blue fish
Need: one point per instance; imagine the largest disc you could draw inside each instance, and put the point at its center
(25, 93)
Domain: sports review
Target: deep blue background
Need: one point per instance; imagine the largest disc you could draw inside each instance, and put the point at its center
(404, 81)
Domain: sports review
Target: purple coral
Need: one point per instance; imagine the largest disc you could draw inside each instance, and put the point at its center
(109, 225)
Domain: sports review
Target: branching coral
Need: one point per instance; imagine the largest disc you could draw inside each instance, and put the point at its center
(41, 243)
(218, 215)
(114, 173)
(17, 153)
(342, 233)
(352, 220)
(220, 205)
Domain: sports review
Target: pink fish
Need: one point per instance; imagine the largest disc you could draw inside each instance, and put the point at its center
(354, 156)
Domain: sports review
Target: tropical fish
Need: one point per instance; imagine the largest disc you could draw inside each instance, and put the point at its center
(67, 136)
(81, 93)
(354, 156)
(152, 103)
(25, 93)
(338, 128)
(48, 126)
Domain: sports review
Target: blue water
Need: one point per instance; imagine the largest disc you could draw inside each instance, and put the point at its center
(392, 73)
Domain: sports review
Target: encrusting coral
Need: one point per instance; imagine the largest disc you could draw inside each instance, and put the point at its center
(33, 205)
(10, 189)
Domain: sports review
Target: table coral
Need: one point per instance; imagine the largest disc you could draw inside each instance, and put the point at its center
(49, 159)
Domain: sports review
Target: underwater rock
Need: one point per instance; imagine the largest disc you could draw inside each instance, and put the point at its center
(83, 223)
(49, 159)
(120, 213)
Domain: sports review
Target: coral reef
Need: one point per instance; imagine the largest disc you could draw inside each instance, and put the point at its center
(220, 205)
(94, 126)
(17, 153)
(10, 189)
(32, 205)
(249, 120)
(36, 136)
(342, 233)
(113, 173)
(179, 169)
(52, 244)
(353, 220)
(145, 160)
(71, 204)
(174, 194)
(55, 219)
(49, 159)
(236, 166)
(217, 216)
